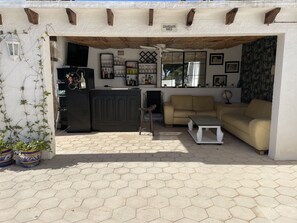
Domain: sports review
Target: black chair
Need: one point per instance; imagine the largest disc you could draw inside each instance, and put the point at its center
(146, 116)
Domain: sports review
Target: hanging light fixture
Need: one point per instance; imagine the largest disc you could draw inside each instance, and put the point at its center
(13, 46)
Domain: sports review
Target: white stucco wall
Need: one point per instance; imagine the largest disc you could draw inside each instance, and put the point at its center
(207, 22)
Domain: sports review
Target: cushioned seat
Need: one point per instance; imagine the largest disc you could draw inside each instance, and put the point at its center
(177, 111)
(250, 123)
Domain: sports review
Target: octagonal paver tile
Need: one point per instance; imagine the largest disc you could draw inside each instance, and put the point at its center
(92, 203)
(147, 213)
(180, 202)
(227, 192)
(46, 193)
(174, 183)
(245, 201)
(266, 201)
(26, 203)
(70, 203)
(117, 184)
(86, 193)
(49, 203)
(158, 202)
(76, 215)
(195, 213)
(127, 192)
(61, 185)
(114, 202)
(171, 213)
(167, 192)
(65, 193)
(207, 192)
(242, 213)
(147, 192)
(286, 211)
(155, 183)
(81, 185)
(106, 193)
(218, 213)
(124, 214)
(100, 184)
(222, 201)
(202, 201)
(52, 214)
(100, 214)
(9, 214)
(136, 202)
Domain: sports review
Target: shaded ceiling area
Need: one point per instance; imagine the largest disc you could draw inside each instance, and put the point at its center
(171, 42)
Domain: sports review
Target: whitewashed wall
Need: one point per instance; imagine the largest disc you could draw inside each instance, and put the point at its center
(207, 22)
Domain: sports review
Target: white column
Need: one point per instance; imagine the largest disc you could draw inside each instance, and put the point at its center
(283, 140)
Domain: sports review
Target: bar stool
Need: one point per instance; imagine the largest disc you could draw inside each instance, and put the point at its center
(146, 115)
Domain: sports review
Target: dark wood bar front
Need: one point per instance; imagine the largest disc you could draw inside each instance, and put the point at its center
(115, 109)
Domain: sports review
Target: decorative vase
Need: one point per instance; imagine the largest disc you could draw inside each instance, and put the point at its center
(29, 158)
(6, 157)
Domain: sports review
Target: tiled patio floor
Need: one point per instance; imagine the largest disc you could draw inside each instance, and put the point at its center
(124, 177)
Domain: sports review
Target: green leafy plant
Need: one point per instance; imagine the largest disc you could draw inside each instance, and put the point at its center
(34, 145)
(34, 108)
(3, 145)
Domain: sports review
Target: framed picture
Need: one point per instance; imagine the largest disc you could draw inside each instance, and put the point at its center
(232, 67)
(219, 80)
(216, 59)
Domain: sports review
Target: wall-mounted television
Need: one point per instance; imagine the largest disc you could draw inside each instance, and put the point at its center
(77, 55)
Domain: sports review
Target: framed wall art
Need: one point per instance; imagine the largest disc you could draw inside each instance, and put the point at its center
(216, 59)
(231, 66)
(219, 81)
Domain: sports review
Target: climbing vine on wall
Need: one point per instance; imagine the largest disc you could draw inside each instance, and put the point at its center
(34, 123)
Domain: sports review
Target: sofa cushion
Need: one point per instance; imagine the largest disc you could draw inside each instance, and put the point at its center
(259, 109)
(203, 103)
(183, 113)
(239, 121)
(182, 102)
(207, 113)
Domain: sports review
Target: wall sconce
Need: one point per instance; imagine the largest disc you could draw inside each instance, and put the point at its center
(13, 46)
(272, 70)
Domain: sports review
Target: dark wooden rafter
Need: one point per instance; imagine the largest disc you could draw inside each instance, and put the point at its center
(53, 38)
(125, 41)
(110, 17)
(32, 16)
(71, 16)
(230, 16)
(1, 20)
(151, 17)
(190, 17)
(271, 15)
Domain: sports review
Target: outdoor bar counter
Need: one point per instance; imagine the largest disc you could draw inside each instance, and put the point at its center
(115, 109)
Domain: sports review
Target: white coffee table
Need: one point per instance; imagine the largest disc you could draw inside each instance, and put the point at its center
(203, 135)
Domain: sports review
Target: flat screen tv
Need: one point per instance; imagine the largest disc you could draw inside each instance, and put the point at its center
(77, 55)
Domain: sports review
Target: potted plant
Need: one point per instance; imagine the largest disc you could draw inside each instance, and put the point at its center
(6, 153)
(29, 153)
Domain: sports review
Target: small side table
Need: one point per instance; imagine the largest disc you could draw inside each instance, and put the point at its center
(144, 112)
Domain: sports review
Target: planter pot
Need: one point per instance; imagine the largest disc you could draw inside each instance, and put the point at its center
(29, 158)
(6, 157)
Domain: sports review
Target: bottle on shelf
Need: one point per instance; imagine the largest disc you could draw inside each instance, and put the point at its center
(82, 81)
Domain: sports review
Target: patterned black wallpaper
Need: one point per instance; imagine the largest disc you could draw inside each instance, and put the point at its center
(257, 59)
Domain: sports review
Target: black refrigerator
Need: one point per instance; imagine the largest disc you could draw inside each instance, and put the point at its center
(78, 82)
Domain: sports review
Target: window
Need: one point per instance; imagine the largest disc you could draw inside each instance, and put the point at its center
(180, 69)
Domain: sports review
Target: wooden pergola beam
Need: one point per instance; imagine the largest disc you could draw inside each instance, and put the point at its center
(1, 20)
(110, 17)
(71, 16)
(151, 17)
(271, 15)
(230, 16)
(32, 16)
(190, 17)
